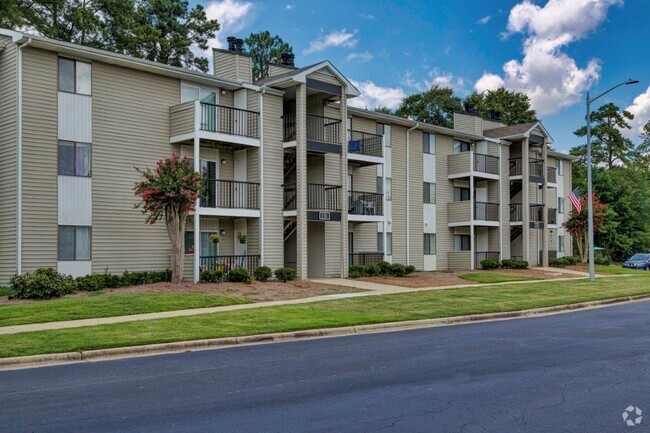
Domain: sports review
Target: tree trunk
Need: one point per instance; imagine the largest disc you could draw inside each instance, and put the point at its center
(177, 238)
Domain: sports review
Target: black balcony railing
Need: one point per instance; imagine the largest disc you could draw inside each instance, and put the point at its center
(537, 212)
(486, 163)
(227, 263)
(536, 167)
(479, 256)
(516, 213)
(229, 120)
(363, 143)
(319, 197)
(363, 259)
(319, 128)
(515, 166)
(365, 203)
(231, 194)
(552, 215)
(486, 211)
(551, 174)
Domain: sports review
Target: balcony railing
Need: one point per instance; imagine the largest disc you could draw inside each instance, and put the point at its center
(229, 120)
(363, 143)
(515, 166)
(227, 263)
(486, 211)
(486, 163)
(536, 167)
(319, 197)
(231, 194)
(516, 212)
(363, 259)
(365, 203)
(537, 212)
(484, 255)
(552, 215)
(551, 174)
(319, 128)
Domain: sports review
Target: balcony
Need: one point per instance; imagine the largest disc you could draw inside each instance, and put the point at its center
(231, 198)
(365, 148)
(516, 212)
(323, 133)
(460, 165)
(320, 197)
(363, 259)
(535, 169)
(227, 263)
(537, 213)
(216, 123)
(365, 206)
(458, 213)
(552, 215)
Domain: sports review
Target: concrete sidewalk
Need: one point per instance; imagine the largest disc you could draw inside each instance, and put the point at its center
(371, 289)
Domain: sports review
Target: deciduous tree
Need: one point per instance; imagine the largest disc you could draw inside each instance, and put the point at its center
(513, 107)
(264, 49)
(576, 225)
(435, 106)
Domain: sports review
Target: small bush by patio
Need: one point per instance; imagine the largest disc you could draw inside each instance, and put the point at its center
(489, 264)
(262, 273)
(44, 283)
(90, 283)
(410, 269)
(285, 274)
(603, 260)
(209, 276)
(96, 282)
(371, 270)
(398, 270)
(356, 271)
(514, 264)
(571, 260)
(557, 263)
(239, 275)
(384, 268)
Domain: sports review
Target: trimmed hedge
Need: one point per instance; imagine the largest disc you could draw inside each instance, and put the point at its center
(489, 264)
(566, 261)
(398, 270)
(514, 264)
(603, 260)
(44, 283)
(262, 273)
(384, 268)
(239, 275)
(410, 269)
(211, 276)
(285, 274)
(556, 263)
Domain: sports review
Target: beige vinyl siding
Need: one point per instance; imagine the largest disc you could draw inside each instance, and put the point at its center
(181, 118)
(224, 65)
(364, 125)
(459, 163)
(253, 233)
(273, 180)
(489, 124)
(444, 195)
(253, 101)
(365, 237)
(493, 241)
(8, 143)
(457, 260)
(416, 211)
(398, 141)
(227, 99)
(468, 123)
(458, 212)
(244, 68)
(277, 70)
(325, 77)
(505, 202)
(130, 127)
(253, 165)
(40, 150)
(332, 166)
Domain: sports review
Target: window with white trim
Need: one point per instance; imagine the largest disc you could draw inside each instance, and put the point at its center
(389, 243)
(428, 143)
(74, 76)
(74, 243)
(429, 243)
(74, 159)
(429, 190)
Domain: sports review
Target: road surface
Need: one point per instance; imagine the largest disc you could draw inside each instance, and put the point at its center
(573, 372)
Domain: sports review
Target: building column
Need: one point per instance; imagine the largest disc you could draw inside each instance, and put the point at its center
(545, 231)
(344, 182)
(197, 217)
(384, 225)
(525, 200)
(472, 206)
(301, 182)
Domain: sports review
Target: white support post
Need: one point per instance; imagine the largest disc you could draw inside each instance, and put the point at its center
(197, 216)
(383, 198)
(471, 217)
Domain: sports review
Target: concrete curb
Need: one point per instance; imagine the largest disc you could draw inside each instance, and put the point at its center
(194, 345)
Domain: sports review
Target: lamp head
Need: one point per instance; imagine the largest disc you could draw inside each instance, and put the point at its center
(631, 81)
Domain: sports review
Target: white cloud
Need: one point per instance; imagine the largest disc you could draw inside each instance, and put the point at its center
(435, 77)
(373, 96)
(488, 82)
(367, 17)
(486, 19)
(290, 6)
(550, 77)
(359, 57)
(641, 109)
(336, 38)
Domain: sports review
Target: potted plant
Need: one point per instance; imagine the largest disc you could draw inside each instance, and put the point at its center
(215, 238)
(242, 238)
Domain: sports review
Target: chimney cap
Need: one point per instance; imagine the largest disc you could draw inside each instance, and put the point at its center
(231, 43)
(287, 59)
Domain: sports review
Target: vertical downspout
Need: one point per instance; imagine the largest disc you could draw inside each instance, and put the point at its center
(261, 93)
(197, 213)
(408, 193)
(501, 207)
(19, 162)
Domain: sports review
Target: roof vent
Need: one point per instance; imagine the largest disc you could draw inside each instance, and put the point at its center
(231, 43)
(470, 108)
(239, 45)
(288, 59)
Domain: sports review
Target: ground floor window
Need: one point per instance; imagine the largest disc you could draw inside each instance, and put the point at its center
(389, 243)
(462, 243)
(429, 243)
(74, 242)
(208, 248)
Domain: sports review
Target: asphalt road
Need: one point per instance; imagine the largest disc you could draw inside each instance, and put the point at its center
(572, 372)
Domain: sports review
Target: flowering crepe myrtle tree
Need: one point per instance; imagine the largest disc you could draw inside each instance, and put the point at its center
(169, 192)
(577, 224)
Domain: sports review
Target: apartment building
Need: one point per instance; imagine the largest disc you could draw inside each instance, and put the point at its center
(295, 176)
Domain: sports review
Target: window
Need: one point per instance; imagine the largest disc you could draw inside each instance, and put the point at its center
(74, 242)
(389, 243)
(428, 143)
(74, 159)
(462, 243)
(380, 185)
(195, 93)
(389, 188)
(429, 193)
(74, 76)
(560, 167)
(461, 194)
(461, 146)
(560, 205)
(560, 244)
(381, 130)
(208, 249)
(429, 243)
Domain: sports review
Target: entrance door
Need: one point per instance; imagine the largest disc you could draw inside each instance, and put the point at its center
(240, 188)
(240, 122)
(209, 170)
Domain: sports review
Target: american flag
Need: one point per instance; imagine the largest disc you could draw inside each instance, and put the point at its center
(575, 200)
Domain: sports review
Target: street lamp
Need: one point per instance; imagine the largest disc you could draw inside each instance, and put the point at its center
(590, 200)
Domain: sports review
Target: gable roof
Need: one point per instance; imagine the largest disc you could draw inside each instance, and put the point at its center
(299, 75)
(516, 131)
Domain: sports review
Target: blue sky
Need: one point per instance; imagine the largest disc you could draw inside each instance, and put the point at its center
(553, 50)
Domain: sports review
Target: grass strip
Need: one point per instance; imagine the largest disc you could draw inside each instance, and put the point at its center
(494, 277)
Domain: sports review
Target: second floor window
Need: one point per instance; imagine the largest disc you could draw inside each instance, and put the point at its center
(74, 159)
(429, 193)
(461, 146)
(560, 205)
(381, 130)
(461, 194)
(195, 93)
(560, 167)
(428, 143)
(74, 76)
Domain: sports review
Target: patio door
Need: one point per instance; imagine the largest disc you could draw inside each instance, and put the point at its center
(240, 122)
(240, 188)
(209, 170)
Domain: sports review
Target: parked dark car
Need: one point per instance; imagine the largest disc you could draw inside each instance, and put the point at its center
(638, 261)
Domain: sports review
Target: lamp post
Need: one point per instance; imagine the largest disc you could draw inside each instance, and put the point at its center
(590, 200)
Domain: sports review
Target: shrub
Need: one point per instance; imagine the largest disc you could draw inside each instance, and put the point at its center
(90, 283)
(489, 264)
(263, 273)
(557, 263)
(44, 283)
(571, 260)
(356, 271)
(112, 281)
(514, 264)
(285, 274)
(410, 269)
(384, 268)
(146, 277)
(603, 260)
(371, 270)
(398, 270)
(211, 276)
(239, 275)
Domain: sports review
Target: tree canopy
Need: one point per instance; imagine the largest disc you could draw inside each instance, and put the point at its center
(513, 107)
(264, 49)
(435, 106)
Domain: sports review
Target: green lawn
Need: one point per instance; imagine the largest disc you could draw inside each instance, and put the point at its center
(344, 312)
(101, 305)
(618, 270)
(4, 291)
(493, 277)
